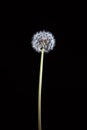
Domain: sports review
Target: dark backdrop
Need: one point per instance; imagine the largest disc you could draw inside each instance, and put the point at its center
(19, 68)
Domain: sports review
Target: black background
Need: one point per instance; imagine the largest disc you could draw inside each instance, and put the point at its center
(19, 68)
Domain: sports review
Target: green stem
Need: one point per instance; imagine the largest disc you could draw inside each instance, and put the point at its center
(39, 90)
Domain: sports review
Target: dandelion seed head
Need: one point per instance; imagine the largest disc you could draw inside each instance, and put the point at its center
(43, 40)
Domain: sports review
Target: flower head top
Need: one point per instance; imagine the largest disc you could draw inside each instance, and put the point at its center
(43, 40)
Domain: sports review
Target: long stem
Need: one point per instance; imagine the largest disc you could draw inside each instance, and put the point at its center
(39, 90)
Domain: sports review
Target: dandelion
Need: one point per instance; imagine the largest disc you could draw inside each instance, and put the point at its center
(42, 42)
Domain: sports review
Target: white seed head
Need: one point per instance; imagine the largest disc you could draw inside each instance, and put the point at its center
(43, 40)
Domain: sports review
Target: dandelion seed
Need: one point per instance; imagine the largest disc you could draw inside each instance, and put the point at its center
(43, 40)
